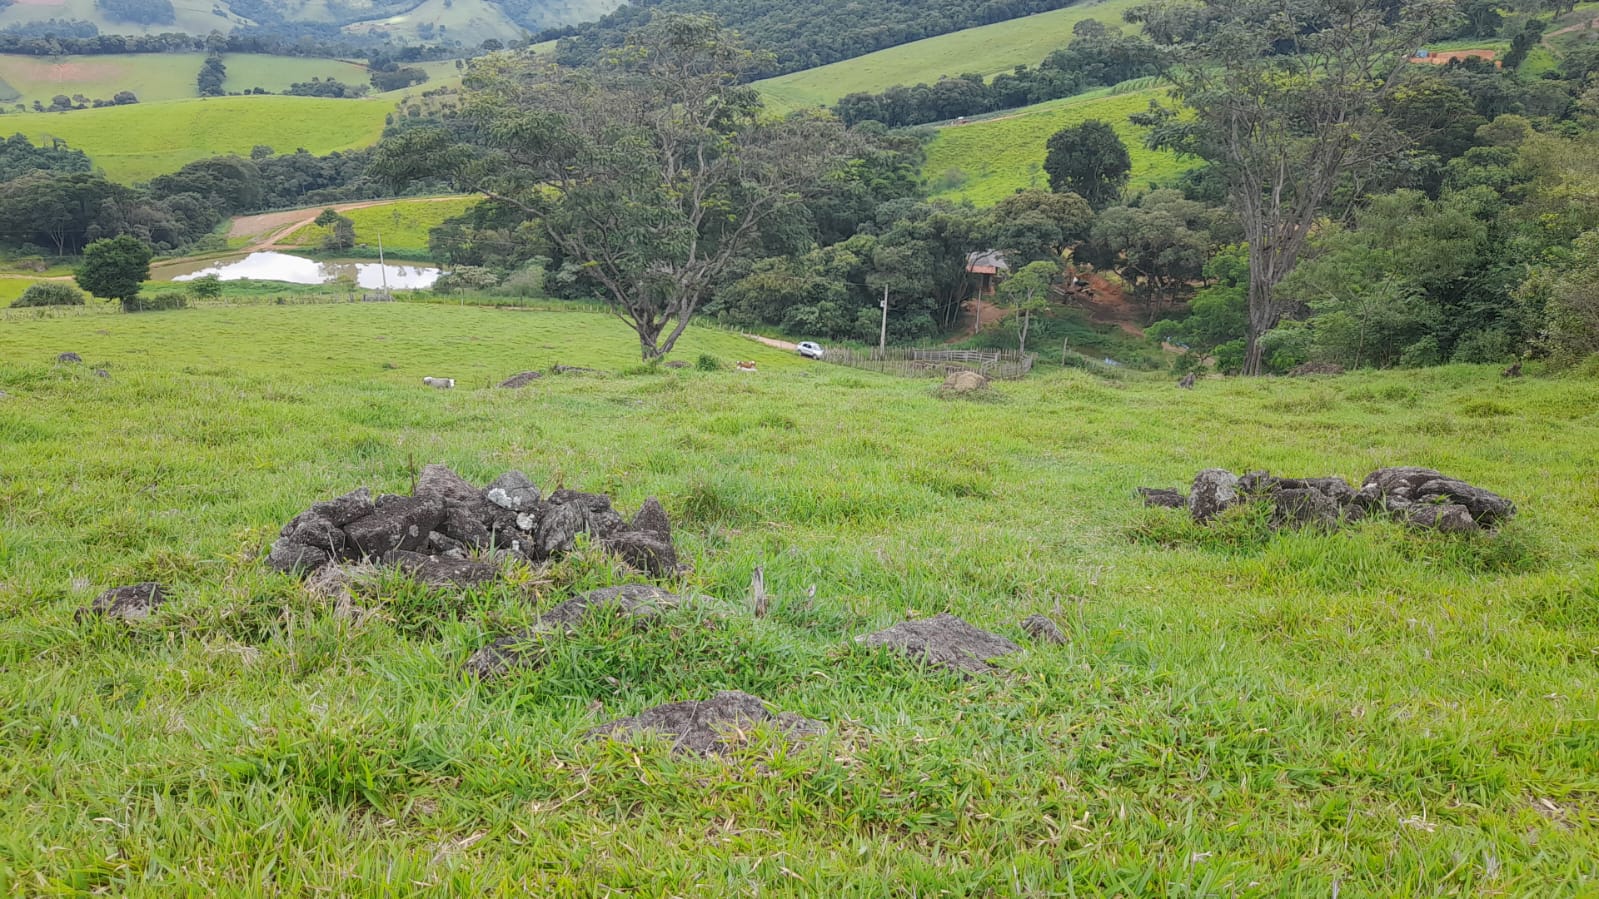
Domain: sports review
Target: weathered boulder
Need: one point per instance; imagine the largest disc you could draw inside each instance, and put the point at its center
(466, 512)
(69, 358)
(944, 641)
(296, 558)
(709, 727)
(347, 508)
(513, 491)
(312, 529)
(1043, 629)
(646, 544)
(1161, 497)
(569, 513)
(397, 522)
(133, 602)
(640, 605)
(1214, 490)
(520, 379)
(1295, 508)
(1447, 517)
(964, 382)
(1397, 488)
(1188, 381)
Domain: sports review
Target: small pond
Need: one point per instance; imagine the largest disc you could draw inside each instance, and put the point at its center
(299, 270)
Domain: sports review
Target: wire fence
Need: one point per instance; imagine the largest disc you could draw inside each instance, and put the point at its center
(919, 362)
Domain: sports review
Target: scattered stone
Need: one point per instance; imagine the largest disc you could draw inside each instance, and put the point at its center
(1214, 490)
(1187, 383)
(944, 641)
(434, 571)
(69, 358)
(1514, 371)
(675, 363)
(709, 727)
(964, 382)
(1315, 368)
(439, 383)
(641, 605)
(467, 515)
(513, 491)
(101, 373)
(131, 603)
(520, 379)
(347, 508)
(1043, 630)
(574, 370)
(1162, 497)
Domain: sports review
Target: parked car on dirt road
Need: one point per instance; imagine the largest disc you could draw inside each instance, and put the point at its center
(808, 349)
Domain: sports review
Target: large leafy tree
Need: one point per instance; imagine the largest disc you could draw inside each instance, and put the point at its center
(115, 268)
(1027, 291)
(1088, 160)
(653, 172)
(1287, 99)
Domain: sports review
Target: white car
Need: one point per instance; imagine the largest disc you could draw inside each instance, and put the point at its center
(809, 349)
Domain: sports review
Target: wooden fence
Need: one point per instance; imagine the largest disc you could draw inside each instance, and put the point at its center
(920, 362)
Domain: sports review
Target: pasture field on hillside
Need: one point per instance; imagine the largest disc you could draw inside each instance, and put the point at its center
(404, 224)
(192, 16)
(136, 143)
(158, 76)
(987, 50)
(1374, 712)
(988, 159)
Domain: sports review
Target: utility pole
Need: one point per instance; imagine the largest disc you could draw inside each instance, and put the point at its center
(882, 339)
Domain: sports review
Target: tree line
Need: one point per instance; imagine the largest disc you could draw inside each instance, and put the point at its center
(1097, 56)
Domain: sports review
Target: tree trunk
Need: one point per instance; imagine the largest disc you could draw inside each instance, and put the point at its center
(1027, 319)
(1264, 274)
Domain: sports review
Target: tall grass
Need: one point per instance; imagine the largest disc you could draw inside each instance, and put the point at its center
(1374, 712)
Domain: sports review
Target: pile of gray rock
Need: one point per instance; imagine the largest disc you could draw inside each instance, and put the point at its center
(1420, 497)
(437, 530)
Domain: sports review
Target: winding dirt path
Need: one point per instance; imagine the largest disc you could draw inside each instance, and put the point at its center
(269, 229)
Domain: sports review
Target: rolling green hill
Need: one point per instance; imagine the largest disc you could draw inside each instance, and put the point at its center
(159, 76)
(135, 143)
(987, 50)
(987, 159)
(403, 224)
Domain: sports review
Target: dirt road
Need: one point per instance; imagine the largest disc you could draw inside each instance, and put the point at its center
(269, 228)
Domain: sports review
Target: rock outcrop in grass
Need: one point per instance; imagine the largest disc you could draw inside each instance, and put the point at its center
(944, 641)
(1419, 497)
(447, 520)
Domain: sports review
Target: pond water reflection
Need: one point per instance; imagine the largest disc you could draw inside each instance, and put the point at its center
(299, 270)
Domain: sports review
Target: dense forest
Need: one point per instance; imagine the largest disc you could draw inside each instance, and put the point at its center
(802, 35)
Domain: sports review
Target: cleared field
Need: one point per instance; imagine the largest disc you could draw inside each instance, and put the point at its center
(135, 143)
(986, 160)
(158, 76)
(1375, 712)
(987, 50)
(403, 224)
(192, 16)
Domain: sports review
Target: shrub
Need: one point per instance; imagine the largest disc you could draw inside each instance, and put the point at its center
(206, 288)
(707, 362)
(466, 277)
(50, 293)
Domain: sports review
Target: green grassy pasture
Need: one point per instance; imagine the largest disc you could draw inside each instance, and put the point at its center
(403, 224)
(988, 159)
(1370, 713)
(191, 16)
(987, 50)
(135, 143)
(159, 76)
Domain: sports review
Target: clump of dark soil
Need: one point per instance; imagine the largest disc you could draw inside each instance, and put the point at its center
(712, 726)
(133, 602)
(944, 641)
